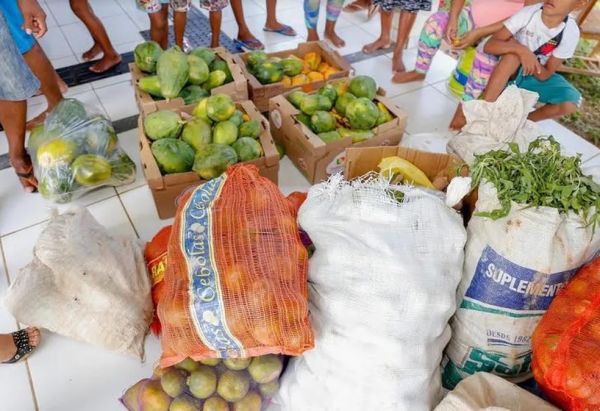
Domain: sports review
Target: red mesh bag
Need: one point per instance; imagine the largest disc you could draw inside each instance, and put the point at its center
(236, 282)
(155, 255)
(566, 343)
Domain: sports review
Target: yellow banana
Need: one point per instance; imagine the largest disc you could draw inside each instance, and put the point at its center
(410, 173)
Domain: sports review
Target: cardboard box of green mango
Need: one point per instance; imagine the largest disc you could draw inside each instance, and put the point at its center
(175, 159)
(315, 129)
(147, 88)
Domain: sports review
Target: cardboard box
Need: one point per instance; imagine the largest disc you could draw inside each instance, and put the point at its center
(360, 161)
(236, 89)
(316, 159)
(166, 188)
(260, 93)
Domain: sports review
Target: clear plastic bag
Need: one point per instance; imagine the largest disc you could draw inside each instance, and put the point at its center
(75, 151)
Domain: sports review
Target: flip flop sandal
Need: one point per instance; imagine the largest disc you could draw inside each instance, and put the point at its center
(29, 178)
(354, 7)
(283, 30)
(250, 45)
(24, 349)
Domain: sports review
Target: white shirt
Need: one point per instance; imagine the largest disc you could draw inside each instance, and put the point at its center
(528, 29)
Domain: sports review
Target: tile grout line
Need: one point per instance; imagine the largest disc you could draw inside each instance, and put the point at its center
(128, 216)
(26, 362)
(48, 219)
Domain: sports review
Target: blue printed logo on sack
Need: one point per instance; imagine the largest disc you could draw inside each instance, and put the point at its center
(208, 309)
(502, 287)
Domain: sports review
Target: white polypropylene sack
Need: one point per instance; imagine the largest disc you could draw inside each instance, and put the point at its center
(484, 391)
(382, 287)
(491, 126)
(85, 284)
(514, 266)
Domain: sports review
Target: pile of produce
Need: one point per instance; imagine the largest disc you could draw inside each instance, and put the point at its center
(175, 74)
(382, 288)
(533, 227)
(290, 71)
(343, 108)
(215, 137)
(235, 284)
(566, 343)
(75, 151)
(234, 384)
(539, 177)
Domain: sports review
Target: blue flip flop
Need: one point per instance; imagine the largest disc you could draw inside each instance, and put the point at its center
(249, 45)
(284, 30)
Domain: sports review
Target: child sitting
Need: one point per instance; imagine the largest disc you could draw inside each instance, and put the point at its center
(533, 43)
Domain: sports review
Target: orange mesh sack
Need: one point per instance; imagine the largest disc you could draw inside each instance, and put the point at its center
(236, 282)
(566, 343)
(155, 255)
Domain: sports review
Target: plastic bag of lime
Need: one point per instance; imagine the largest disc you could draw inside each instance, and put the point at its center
(76, 150)
(212, 384)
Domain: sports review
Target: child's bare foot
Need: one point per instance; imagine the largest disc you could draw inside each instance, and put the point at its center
(459, 120)
(336, 40)
(397, 63)
(92, 52)
(106, 63)
(407, 77)
(380, 43)
(18, 345)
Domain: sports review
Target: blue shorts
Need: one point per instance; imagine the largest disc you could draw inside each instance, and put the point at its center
(17, 82)
(555, 90)
(15, 20)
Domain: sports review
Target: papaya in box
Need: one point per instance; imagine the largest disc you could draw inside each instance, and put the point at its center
(316, 159)
(167, 188)
(236, 89)
(260, 93)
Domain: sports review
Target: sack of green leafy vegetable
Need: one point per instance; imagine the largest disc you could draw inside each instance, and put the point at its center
(535, 223)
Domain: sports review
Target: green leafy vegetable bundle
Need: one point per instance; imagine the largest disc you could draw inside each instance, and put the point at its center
(538, 177)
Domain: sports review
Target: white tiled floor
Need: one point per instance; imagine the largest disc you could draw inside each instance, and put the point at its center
(65, 375)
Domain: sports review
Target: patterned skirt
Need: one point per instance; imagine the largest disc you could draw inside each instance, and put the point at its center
(404, 5)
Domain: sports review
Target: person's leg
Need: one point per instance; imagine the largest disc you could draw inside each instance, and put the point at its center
(553, 111)
(179, 23)
(8, 349)
(483, 66)
(311, 18)
(17, 83)
(405, 25)
(180, 9)
(215, 27)
(159, 26)
(508, 66)
(430, 41)
(244, 33)
(383, 41)
(12, 117)
(42, 68)
(110, 58)
(271, 23)
(334, 8)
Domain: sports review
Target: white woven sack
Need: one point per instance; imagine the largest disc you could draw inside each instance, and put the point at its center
(382, 288)
(85, 284)
(514, 266)
(484, 391)
(491, 126)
